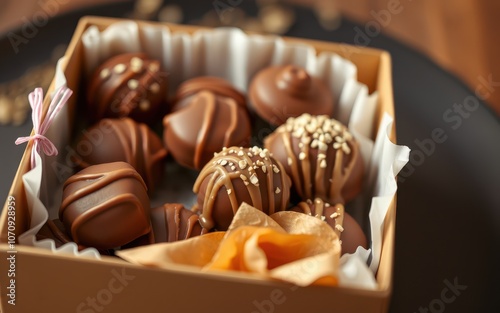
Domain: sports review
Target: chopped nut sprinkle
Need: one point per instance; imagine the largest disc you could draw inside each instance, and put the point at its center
(119, 68)
(254, 179)
(133, 84)
(105, 73)
(322, 164)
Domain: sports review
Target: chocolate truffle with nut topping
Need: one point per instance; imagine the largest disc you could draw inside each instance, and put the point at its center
(279, 92)
(346, 227)
(320, 155)
(128, 85)
(236, 175)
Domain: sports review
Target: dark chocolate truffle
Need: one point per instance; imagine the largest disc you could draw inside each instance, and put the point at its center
(346, 227)
(173, 222)
(193, 134)
(216, 85)
(128, 85)
(237, 175)
(105, 206)
(279, 92)
(113, 140)
(320, 155)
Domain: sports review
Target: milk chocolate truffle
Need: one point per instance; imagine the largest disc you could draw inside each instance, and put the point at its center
(173, 222)
(113, 140)
(128, 85)
(279, 92)
(105, 206)
(236, 175)
(193, 134)
(348, 230)
(320, 155)
(216, 85)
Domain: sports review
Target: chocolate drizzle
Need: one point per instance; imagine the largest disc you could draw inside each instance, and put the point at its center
(173, 222)
(210, 122)
(102, 194)
(324, 211)
(137, 145)
(321, 156)
(251, 172)
(342, 223)
(215, 85)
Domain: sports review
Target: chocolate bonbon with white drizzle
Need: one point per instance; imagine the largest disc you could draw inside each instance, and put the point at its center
(320, 155)
(236, 175)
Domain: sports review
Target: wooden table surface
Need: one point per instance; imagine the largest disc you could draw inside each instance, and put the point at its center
(461, 36)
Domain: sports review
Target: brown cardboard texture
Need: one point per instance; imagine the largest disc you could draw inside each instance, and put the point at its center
(45, 282)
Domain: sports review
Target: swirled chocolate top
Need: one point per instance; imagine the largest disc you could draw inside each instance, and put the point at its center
(279, 92)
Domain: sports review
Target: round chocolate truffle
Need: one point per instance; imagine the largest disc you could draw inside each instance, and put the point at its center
(193, 134)
(105, 206)
(279, 92)
(320, 155)
(128, 85)
(236, 175)
(346, 227)
(216, 85)
(173, 222)
(113, 140)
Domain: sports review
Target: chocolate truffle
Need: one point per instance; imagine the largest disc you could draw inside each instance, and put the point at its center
(346, 227)
(113, 140)
(173, 222)
(130, 85)
(320, 155)
(237, 175)
(105, 206)
(216, 85)
(279, 92)
(193, 134)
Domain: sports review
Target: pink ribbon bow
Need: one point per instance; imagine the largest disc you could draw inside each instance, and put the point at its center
(42, 143)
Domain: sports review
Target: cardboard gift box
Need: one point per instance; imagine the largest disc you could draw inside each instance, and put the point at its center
(48, 282)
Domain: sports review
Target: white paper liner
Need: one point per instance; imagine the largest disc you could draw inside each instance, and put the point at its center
(233, 55)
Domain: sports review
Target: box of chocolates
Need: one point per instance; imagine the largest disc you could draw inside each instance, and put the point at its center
(180, 168)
